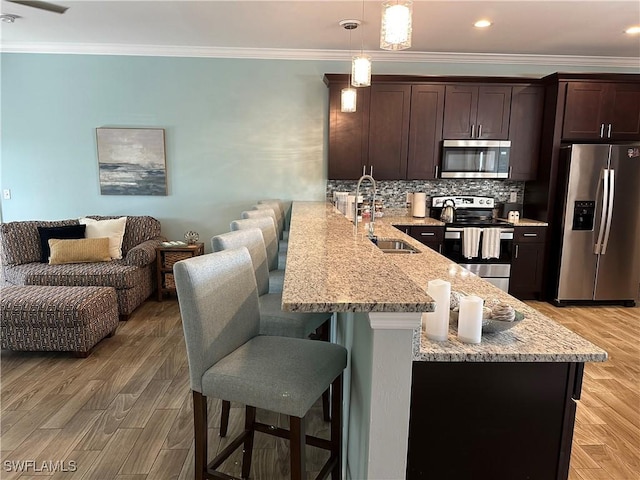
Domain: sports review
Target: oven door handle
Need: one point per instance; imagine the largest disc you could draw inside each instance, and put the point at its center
(454, 233)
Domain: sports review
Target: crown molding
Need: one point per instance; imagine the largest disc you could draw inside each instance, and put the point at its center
(328, 55)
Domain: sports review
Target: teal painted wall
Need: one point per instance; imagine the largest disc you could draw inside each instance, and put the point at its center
(236, 131)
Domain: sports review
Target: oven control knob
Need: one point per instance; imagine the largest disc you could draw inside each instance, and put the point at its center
(481, 201)
(438, 202)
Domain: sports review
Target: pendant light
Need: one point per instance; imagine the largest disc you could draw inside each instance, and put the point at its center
(348, 100)
(361, 64)
(395, 31)
(348, 96)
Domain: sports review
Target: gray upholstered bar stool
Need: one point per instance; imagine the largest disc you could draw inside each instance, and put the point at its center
(277, 204)
(267, 210)
(282, 245)
(266, 225)
(278, 215)
(230, 360)
(273, 320)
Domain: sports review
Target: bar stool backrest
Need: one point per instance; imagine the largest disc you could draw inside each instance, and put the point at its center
(265, 224)
(250, 238)
(219, 307)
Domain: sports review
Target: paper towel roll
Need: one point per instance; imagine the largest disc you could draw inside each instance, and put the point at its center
(419, 205)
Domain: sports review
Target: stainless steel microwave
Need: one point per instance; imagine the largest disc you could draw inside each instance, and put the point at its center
(475, 159)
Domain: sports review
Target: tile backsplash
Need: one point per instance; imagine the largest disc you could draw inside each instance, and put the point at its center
(393, 193)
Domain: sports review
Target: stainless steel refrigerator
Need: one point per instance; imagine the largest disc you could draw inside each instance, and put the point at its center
(600, 239)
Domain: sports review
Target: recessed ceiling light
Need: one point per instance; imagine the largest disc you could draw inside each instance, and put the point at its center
(633, 30)
(482, 24)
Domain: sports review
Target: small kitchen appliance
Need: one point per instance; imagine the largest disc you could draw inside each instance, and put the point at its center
(475, 159)
(448, 213)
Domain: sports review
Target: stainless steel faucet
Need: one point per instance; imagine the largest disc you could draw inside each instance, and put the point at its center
(370, 233)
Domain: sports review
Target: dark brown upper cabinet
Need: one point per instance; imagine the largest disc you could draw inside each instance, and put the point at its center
(477, 112)
(601, 111)
(425, 131)
(525, 131)
(348, 135)
(389, 111)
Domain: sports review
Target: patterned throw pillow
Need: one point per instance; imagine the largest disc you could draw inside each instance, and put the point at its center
(82, 250)
(113, 229)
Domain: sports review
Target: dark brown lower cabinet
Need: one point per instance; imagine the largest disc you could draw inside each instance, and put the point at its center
(431, 236)
(492, 420)
(527, 265)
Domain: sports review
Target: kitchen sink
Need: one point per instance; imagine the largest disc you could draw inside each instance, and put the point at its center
(394, 246)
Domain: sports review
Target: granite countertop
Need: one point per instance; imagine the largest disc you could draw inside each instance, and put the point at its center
(332, 268)
(397, 218)
(408, 220)
(528, 222)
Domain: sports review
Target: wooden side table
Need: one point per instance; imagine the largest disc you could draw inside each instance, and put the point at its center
(165, 258)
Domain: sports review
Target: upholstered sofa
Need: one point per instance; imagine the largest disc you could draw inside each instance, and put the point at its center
(133, 276)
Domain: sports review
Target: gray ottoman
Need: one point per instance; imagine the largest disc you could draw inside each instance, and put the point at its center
(66, 319)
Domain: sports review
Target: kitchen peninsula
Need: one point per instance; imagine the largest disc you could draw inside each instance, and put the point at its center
(378, 299)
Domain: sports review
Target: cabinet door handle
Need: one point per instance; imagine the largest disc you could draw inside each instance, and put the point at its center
(479, 131)
(516, 251)
(436, 175)
(609, 131)
(427, 234)
(602, 130)
(440, 248)
(510, 168)
(371, 170)
(529, 234)
(473, 130)
(364, 169)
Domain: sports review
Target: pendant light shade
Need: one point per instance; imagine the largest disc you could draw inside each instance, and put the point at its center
(348, 99)
(348, 96)
(361, 71)
(395, 32)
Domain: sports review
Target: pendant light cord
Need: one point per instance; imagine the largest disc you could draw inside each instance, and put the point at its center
(350, 60)
(362, 35)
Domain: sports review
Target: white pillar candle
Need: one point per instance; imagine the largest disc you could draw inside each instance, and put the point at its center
(437, 323)
(470, 319)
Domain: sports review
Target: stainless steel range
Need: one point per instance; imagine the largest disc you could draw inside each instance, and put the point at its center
(472, 227)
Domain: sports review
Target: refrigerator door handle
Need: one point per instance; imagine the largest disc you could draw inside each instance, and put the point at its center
(609, 211)
(603, 215)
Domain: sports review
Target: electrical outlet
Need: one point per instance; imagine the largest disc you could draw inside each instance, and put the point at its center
(513, 197)
(6, 194)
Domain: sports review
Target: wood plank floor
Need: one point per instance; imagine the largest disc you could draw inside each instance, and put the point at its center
(125, 413)
(606, 441)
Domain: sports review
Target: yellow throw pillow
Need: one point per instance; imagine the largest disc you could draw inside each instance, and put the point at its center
(79, 251)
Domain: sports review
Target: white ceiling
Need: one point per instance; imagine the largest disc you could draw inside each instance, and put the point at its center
(591, 30)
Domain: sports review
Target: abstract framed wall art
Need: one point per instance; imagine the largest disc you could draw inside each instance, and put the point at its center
(131, 161)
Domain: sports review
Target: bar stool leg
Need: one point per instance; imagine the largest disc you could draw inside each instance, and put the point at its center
(336, 427)
(249, 426)
(325, 406)
(224, 417)
(200, 434)
(323, 334)
(298, 441)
